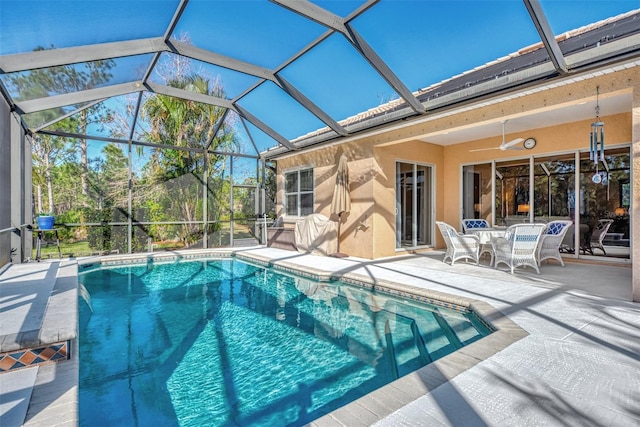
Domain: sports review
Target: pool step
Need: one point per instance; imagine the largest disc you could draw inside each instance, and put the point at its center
(448, 331)
(419, 343)
(413, 350)
(391, 351)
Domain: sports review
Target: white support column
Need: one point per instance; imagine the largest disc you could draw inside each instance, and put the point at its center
(634, 216)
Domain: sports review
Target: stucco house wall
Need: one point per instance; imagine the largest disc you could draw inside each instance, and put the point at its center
(355, 229)
(369, 230)
(385, 191)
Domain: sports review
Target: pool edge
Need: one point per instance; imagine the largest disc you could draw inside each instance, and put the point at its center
(382, 402)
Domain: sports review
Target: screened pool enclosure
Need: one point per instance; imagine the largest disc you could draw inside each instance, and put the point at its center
(152, 125)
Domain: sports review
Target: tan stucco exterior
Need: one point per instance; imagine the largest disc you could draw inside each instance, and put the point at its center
(369, 230)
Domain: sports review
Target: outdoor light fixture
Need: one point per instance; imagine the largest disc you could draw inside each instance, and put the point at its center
(596, 142)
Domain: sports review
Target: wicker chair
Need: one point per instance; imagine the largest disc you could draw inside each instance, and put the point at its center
(469, 224)
(474, 224)
(520, 247)
(459, 246)
(598, 235)
(551, 240)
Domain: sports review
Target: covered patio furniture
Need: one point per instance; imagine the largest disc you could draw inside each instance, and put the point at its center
(597, 236)
(551, 240)
(316, 234)
(519, 247)
(459, 246)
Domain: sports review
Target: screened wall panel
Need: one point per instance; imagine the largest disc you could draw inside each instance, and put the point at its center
(218, 191)
(168, 187)
(5, 182)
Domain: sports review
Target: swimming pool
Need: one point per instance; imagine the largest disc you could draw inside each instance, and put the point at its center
(224, 342)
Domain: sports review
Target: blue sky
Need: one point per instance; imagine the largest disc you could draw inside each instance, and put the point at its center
(422, 41)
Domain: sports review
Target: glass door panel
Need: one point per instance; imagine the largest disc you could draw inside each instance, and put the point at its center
(423, 205)
(476, 192)
(512, 192)
(554, 187)
(606, 203)
(413, 205)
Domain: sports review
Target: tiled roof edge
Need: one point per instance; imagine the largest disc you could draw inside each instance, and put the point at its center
(396, 103)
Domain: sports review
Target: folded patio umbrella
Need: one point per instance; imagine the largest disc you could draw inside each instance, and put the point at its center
(341, 202)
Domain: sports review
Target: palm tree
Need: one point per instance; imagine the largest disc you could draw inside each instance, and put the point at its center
(173, 178)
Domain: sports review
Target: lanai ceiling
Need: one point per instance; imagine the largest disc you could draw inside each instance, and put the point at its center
(283, 69)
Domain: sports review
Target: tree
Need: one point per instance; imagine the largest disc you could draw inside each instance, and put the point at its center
(46, 149)
(176, 176)
(109, 178)
(60, 80)
(45, 153)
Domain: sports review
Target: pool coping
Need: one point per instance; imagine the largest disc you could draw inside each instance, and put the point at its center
(59, 316)
(385, 400)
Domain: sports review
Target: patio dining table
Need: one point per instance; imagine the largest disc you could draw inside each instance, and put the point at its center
(485, 235)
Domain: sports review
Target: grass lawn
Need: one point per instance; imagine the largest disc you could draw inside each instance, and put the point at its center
(68, 248)
(81, 248)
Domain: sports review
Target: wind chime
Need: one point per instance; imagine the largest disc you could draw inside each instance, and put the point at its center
(596, 140)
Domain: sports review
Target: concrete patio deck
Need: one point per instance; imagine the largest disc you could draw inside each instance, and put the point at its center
(579, 364)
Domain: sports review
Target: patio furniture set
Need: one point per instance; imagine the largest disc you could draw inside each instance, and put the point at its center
(525, 244)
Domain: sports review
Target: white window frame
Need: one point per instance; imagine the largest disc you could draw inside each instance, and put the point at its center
(298, 193)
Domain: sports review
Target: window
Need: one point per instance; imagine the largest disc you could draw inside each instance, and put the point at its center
(298, 192)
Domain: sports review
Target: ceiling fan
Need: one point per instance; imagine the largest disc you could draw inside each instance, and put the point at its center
(511, 145)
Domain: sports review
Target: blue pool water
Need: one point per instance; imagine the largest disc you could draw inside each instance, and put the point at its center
(226, 343)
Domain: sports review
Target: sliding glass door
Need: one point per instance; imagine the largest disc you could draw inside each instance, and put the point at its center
(597, 200)
(413, 205)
